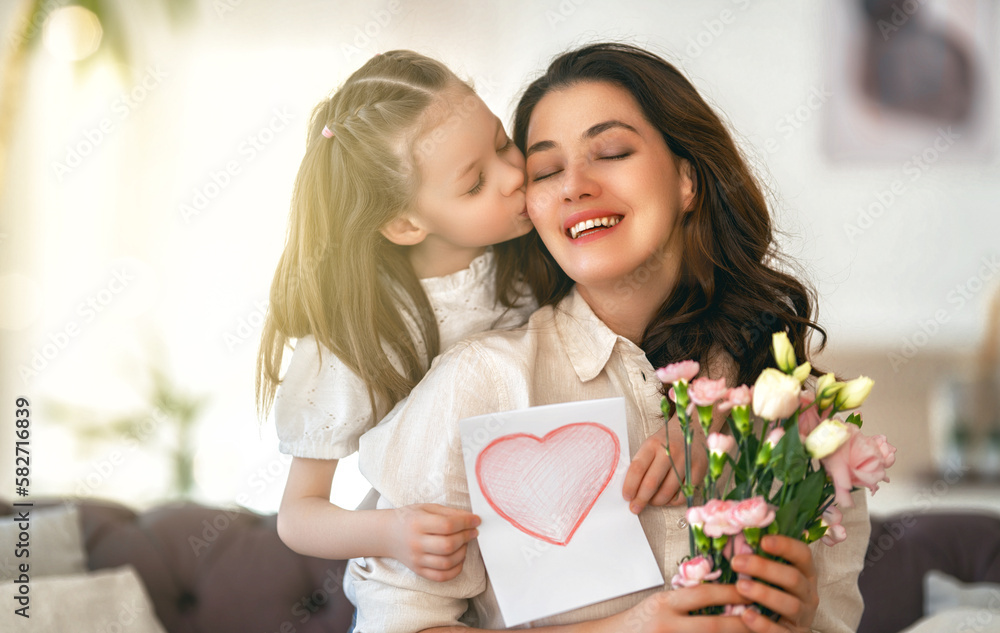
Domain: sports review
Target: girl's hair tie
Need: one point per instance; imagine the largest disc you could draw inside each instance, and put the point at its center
(327, 132)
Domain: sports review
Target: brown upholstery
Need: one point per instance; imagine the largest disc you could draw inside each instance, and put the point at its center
(209, 570)
(903, 548)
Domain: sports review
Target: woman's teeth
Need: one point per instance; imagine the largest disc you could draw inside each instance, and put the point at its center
(580, 227)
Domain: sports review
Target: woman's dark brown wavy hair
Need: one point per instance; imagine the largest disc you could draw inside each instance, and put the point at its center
(730, 296)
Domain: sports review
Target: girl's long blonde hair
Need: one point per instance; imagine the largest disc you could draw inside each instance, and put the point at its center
(339, 279)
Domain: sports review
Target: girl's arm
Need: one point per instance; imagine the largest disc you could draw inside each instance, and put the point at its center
(429, 539)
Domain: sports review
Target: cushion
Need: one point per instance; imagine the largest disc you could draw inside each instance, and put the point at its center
(956, 620)
(97, 602)
(55, 546)
(942, 592)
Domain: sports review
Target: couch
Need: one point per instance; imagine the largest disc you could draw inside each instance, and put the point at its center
(211, 570)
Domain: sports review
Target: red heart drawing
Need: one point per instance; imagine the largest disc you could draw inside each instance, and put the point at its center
(546, 487)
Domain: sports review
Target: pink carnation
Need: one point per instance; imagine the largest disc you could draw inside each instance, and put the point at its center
(736, 397)
(835, 532)
(740, 396)
(715, 518)
(735, 609)
(720, 443)
(860, 461)
(754, 513)
(694, 572)
(685, 370)
(705, 392)
(774, 436)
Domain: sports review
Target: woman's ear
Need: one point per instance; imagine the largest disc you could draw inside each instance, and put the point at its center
(688, 184)
(402, 230)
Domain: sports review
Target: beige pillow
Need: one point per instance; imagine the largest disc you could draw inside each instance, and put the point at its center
(942, 592)
(98, 602)
(55, 543)
(957, 620)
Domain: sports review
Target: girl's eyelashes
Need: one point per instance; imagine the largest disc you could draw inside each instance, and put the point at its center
(617, 156)
(478, 186)
(506, 146)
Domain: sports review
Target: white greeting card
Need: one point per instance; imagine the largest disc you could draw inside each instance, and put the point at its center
(556, 533)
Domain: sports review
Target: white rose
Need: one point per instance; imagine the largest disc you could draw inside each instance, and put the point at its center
(775, 395)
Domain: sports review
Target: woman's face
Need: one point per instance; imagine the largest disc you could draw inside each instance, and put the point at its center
(604, 191)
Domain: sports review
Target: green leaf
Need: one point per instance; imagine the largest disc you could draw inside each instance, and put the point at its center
(855, 419)
(811, 493)
(791, 459)
(787, 516)
(765, 482)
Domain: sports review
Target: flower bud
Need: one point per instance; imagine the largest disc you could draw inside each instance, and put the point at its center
(784, 353)
(826, 389)
(826, 438)
(854, 392)
(802, 371)
(720, 443)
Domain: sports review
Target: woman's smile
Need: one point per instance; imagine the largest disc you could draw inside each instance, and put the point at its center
(591, 223)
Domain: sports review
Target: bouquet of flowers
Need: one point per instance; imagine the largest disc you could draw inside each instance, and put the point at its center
(791, 466)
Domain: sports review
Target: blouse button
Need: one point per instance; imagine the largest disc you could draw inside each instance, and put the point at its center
(681, 523)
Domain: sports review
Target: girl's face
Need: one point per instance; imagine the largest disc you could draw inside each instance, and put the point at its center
(604, 192)
(471, 191)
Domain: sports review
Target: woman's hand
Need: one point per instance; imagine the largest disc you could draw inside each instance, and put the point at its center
(667, 611)
(795, 596)
(431, 539)
(650, 479)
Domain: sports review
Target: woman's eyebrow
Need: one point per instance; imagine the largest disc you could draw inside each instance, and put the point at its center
(591, 132)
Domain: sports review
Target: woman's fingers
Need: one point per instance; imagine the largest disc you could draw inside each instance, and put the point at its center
(794, 551)
(794, 595)
(759, 623)
(669, 490)
(637, 470)
(789, 606)
(704, 595)
(655, 477)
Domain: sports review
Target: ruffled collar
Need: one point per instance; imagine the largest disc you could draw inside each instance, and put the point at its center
(478, 276)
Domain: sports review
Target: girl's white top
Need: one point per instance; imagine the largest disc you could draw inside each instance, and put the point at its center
(322, 406)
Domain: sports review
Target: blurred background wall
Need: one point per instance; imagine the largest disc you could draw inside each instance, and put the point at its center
(146, 193)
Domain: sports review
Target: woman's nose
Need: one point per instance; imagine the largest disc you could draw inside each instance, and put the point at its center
(578, 183)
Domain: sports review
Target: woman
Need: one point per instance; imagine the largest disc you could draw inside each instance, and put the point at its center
(655, 240)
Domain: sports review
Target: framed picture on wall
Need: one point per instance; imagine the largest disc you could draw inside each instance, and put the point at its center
(910, 80)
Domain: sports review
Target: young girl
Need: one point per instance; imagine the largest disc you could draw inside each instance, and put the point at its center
(407, 181)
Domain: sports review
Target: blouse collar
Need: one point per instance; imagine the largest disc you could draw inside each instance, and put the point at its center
(587, 340)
